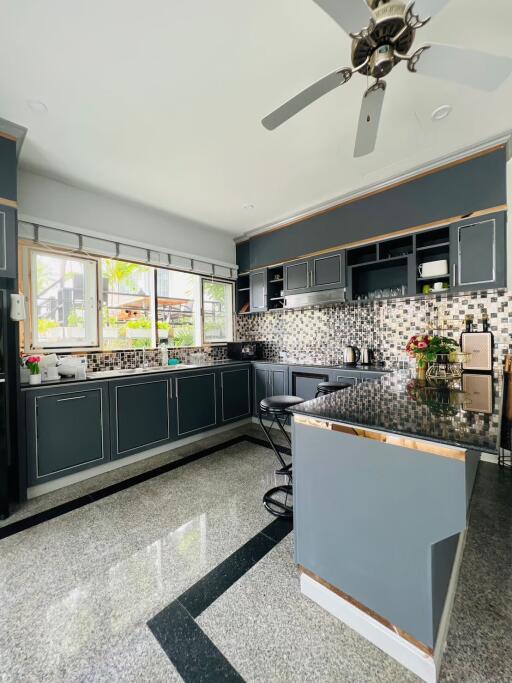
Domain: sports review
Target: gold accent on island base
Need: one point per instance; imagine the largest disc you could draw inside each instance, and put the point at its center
(384, 437)
(374, 615)
(8, 202)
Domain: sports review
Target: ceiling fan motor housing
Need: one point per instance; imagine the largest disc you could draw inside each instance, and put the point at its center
(375, 44)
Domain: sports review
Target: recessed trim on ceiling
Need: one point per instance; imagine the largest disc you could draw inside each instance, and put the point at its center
(460, 157)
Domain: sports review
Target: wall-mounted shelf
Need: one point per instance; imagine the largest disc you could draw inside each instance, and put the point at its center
(433, 246)
(433, 277)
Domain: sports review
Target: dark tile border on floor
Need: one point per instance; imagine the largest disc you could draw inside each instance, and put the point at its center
(193, 654)
(70, 505)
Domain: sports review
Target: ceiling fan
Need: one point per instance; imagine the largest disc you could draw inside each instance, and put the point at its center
(383, 33)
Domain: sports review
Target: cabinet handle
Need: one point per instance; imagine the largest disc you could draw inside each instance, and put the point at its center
(71, 398)
(2, 381)
(177, 385)
(454, 275)
(170, 387)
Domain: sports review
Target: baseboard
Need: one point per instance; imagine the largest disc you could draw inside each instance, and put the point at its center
(489, 457)
(47, 487)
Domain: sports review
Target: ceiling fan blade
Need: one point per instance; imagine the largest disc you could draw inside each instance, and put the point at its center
(429, 8)
(475, 69)
(369, 118)
(306, 97)
(351, 15)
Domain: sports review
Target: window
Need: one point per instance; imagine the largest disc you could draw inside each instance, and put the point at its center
(178, 308)
(127, 305)
(109, 304)
(64, 303)
(217, 311)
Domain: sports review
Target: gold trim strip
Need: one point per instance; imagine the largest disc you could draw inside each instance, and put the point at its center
(388, 235)
(384, 437)
(8, 202)
(8, 136)
(372, 193)
(374, 615)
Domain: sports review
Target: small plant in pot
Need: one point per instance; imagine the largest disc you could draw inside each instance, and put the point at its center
(32, 364)
(427, 348)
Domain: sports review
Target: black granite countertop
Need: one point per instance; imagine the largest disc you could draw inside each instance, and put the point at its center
(448, 413)
(341, 366)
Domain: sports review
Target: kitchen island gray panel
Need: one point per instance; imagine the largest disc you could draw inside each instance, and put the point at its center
(367, 515)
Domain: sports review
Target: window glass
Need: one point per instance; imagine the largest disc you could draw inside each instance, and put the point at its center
(217, 311)
(64, 301)
(178, 308)
(127, 305)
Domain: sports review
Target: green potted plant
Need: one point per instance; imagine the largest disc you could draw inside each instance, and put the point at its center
(428, 348)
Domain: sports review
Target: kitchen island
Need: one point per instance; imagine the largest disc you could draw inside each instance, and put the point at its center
(383, 475)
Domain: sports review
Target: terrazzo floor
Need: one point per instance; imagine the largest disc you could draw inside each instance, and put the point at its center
(77, 592)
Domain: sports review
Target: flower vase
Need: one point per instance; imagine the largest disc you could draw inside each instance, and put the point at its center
(35, 379)
(421, 371)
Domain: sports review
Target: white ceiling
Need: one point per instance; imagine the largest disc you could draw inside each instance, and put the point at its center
(161, 101)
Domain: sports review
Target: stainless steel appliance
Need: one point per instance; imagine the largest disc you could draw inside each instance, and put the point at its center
(479, 345)
(367, 356)
(244, 350)
(351, 355)
(328, 296)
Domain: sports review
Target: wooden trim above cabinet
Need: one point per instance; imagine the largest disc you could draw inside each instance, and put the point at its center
(8, 202)
(8, 136)
(388, 235)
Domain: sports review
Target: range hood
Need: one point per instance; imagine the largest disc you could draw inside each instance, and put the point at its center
(328, 296)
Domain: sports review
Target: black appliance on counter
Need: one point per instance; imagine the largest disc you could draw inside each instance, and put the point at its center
(245, 350)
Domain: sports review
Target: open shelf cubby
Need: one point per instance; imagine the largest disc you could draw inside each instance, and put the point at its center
(242, 294)
(359, 255)
(393, 248)
(275, 282)
(440, 237)
(432, 246)
(382, 279)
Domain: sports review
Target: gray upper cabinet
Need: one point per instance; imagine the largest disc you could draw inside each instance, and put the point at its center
(8, 265)
(67, 430)
(478, 253)
(140, 414)
(297, 277)
(196, 402)
(235, 393)
(328, 271)
(258, 291)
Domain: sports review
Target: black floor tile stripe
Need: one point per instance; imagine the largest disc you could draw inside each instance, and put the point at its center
(194, 655)
(76, 503)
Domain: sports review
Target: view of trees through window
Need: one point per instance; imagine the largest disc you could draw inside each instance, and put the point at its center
(140, 306)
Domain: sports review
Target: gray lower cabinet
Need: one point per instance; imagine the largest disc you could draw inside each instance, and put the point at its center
(269, 380)
(304, 381)
(67, 430)
(478, 253)
(140, 414)
(235, 385)
(355, 376)
(8, 258)
(196, 401)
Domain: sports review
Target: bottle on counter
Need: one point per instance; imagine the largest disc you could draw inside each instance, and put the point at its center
(164, 355)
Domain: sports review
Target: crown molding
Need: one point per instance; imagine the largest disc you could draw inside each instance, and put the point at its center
(487, 145)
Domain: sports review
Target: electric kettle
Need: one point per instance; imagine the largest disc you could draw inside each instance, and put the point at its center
(351, 355)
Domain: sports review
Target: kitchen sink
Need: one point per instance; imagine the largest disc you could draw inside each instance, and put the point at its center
(103, 374)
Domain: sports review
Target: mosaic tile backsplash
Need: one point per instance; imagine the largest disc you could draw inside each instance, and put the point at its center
(318, 335)
(123, 360)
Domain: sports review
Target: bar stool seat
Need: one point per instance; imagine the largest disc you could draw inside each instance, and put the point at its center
(277, 407)
(325, 388)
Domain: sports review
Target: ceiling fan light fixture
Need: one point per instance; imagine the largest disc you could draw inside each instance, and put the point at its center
(441, 112)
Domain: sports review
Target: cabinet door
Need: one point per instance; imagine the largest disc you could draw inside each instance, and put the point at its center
(258, 290)
(261, 390)
(341, 376)
(140, 414)
(8, 259)
(196, 402)
(328, 272)
(478, 253)
(278, 381)
(296, 277)
(304, 383)
(67, 431)
(235, 393)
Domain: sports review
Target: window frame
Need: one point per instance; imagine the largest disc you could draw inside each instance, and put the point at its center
(28, 247)
(30, 335)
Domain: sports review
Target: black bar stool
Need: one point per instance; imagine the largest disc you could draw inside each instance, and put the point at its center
(325, 388)
(277, 408)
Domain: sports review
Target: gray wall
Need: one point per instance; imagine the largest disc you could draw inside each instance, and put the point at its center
(455, 191)
(42, 198)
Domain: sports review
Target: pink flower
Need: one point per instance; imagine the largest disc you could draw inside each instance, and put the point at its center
(422, 345)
